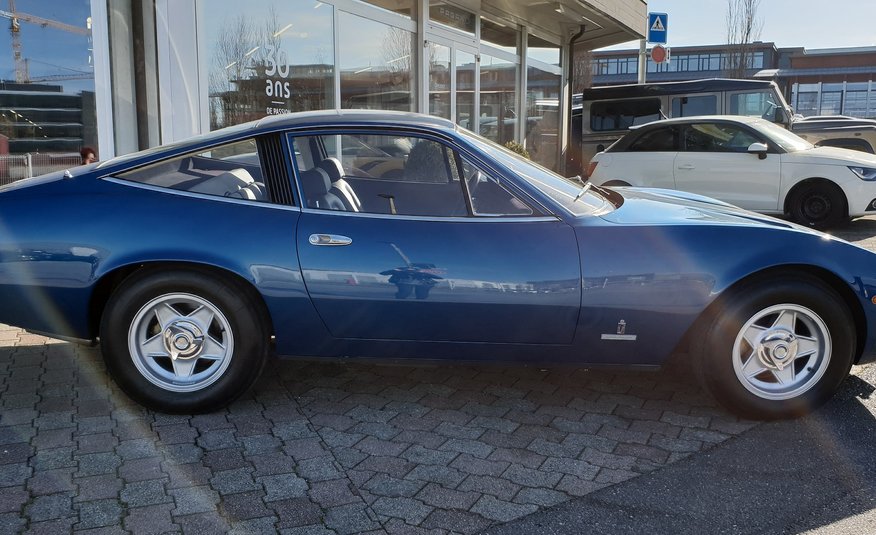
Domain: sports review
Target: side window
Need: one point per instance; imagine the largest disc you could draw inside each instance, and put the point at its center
(622, 114)
(380, 174)
(658, 140)
(398, 175)
(717, 137)
(489, 197)
(690, 106)
(231, 170)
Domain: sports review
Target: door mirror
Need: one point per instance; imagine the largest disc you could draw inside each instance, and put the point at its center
(758, 148)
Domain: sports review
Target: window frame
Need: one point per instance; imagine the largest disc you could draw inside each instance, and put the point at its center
(540, 212)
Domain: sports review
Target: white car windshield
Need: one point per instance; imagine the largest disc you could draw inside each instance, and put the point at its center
(569, 194)
(781, 137)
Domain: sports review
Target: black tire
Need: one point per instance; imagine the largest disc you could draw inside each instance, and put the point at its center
(760, 396)
(818, 205)
(236, 326)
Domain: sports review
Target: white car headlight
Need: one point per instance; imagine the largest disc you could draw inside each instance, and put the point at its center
(864, 173)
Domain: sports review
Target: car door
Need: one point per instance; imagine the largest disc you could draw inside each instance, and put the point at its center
(714, 161)
(647, 161)
(422, 260)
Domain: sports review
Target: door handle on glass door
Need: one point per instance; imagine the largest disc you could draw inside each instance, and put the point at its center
(329, 239)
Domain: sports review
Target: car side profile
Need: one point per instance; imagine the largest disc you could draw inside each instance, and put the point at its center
(747, 162)
(310, 235)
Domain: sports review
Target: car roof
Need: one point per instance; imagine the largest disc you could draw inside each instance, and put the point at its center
(700, 118)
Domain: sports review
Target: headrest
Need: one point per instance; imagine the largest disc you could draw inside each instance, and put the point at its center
(333, 167)
(315, 182)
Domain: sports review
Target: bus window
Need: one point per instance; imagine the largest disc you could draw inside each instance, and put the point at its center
(622, 114)
(690, 106)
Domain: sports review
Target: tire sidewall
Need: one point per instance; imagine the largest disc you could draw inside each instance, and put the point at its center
(716, 358)
(247, 359)
(835, 197)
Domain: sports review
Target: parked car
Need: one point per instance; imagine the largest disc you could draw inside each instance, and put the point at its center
(745, 161)
(194, 262)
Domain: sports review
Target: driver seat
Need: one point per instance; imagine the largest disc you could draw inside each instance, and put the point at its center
(340, 187)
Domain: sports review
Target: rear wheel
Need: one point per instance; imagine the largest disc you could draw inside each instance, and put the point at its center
(776, 349)
(819, 205)
(182, 341)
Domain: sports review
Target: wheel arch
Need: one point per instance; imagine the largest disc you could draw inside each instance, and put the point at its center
(829, 278)
(792, 193)
(110, 281)
(615, 183)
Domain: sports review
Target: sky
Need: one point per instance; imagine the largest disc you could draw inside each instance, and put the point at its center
(50, 51)
(788, 23)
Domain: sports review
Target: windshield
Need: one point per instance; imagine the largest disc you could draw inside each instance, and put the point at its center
(783, 138)
(565, 192)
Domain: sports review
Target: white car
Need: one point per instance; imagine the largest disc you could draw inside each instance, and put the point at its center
(745, 161)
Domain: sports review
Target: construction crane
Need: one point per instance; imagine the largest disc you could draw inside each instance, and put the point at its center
(15, 19)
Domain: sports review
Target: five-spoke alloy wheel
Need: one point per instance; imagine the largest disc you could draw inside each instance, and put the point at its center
(183, 341)
(775, 347)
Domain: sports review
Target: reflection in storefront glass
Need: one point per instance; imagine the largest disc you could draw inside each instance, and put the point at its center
(376, 65)
(466, 70)
(267, 57)
(498, 117)
(439, 80)
(542, 116)
(47, 104)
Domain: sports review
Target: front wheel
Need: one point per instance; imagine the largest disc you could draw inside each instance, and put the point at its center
(182, 342)
(776, 349)
(818, 205)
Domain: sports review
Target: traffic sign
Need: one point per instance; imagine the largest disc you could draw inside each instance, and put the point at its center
(658, 24)
(659, 54)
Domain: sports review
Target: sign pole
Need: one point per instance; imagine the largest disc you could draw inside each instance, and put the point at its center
(643, 61)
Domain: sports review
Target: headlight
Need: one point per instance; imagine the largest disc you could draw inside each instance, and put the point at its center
(864, 173)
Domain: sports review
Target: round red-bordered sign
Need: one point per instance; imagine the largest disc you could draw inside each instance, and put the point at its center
(658, 54)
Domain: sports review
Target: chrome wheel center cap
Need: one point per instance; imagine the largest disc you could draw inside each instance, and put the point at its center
(777, 349)
(183, 339)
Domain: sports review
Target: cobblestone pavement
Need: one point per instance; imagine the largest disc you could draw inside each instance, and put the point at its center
(331, 448)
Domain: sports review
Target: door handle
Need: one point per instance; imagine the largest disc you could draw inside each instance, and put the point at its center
(687, 166)
(329, 239)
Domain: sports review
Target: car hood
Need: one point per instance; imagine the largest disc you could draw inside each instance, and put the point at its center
(649, 206)
(831, 156)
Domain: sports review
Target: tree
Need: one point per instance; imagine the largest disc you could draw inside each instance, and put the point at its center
(743, 28)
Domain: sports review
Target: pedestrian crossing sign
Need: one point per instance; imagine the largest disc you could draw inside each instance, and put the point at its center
(657, 26)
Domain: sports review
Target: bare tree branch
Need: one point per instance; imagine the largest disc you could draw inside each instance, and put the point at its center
(743, 28)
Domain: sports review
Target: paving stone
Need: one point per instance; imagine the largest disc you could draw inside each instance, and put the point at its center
(185, 434)
(227, 459)
(683, 420)
(49, 527)
(444, 498)
(349, 519)
(339, 439)
(139, 469)
(11, 523)
(730, 427)
(51, 482)
(420, 455)
(427, 439)
(540, 496)
(53, 438)
(643, 452)
(199, 523)
(474, 465)
(553, 449)
(143, 493)
(49, 507)
(607, 460)
(675, 445)
(529, 477)
(501, 511)
(233, 481)
(177, 453)
(96, 424)
(408, 509)
(14, 475)
(151, 520)
(316, 529)
(272, 463)
(245, 506)
(495, 486)
(49, 460)
(394, 466)
(318, 469)
(187, 475)
(607, 475)
(136, 449)
(217, 439)
(332, 493)
(523, 457)
(98, 487)
(23, 433)
(298, 449)
(98, 514)
(375, 446)
(471, 447)
(191, 500)
(96, 443)
(444, 475)
(382, 431)
(576, 486)
(703, 435)
(384, 485)
(415, 423)
(12, 498)
(660, 428)
(283, 487)
(299, 512)
(450, 430)
(456, 521)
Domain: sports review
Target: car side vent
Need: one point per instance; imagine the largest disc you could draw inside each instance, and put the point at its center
(275, 170)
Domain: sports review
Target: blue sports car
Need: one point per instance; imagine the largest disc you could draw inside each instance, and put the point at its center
(399, 236)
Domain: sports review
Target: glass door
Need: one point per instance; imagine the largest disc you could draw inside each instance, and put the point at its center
(451, 72)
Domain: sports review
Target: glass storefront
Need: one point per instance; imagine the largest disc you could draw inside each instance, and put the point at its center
(498, 99)
(439, 80)
(376, 64)
(270, 58)
(543, 86)
(47, 89)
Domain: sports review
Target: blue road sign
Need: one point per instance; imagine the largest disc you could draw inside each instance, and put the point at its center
(658, 23)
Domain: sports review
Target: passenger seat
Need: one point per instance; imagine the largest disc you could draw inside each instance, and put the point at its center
(340, 187)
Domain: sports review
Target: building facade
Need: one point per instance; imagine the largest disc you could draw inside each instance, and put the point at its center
(836, 81)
